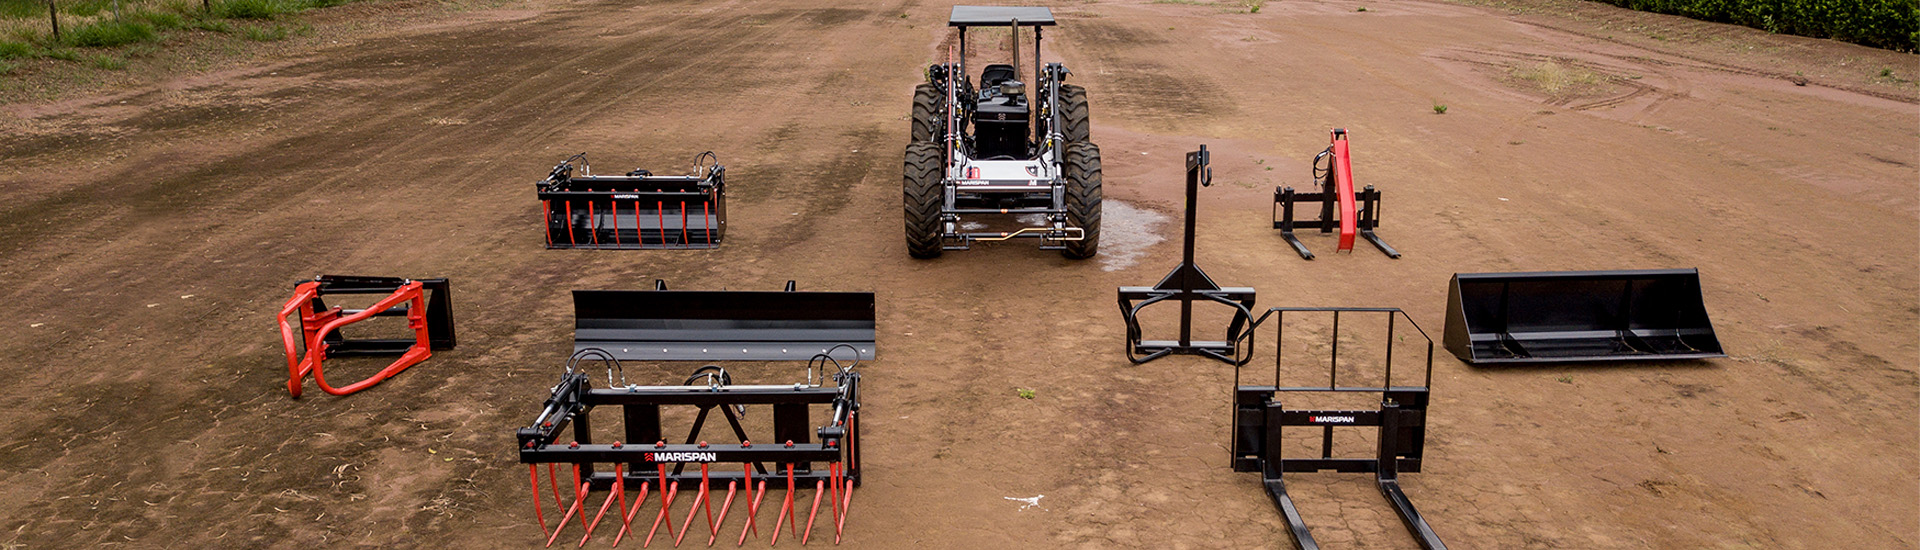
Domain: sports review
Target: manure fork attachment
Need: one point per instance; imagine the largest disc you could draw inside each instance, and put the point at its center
(636, 210)
(1341, 207)
(1259, 414)
(790, 459)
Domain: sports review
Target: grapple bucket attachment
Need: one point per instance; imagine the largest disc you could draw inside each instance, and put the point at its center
(637, 210)
(426, 303)
(688, 325)
(1644, 315)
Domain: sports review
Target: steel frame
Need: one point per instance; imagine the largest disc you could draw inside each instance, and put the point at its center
(1259, 415)
(1186, 284)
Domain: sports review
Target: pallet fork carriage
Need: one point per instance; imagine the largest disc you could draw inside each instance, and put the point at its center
(1341, 207)
(1186, 284)
(690, 325)
(426, 303)
(636, 210)
(1259, 414)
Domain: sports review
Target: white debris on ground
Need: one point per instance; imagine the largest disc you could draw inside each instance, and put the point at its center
(1028, 502)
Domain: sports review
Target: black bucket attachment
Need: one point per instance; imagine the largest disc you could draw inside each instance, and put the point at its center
(637, 210)
(1544, 317)
(692, 325)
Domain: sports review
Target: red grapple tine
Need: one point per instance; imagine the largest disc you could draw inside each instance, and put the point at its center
(706, 220)
(846, 505)
(580, 494)
(753, 509)
(683, 223)
(555, 479)
(626, 523)
(819, 490)
(595, 221)
(666, 505)
(731, 485)
(786, 511)
(578, 497)
(568, 206)
(660, 210)
(619, 490)
(712, 528)
(533, 476)
(695, 509)
(546, 208)
(833, 483)
(615, 205)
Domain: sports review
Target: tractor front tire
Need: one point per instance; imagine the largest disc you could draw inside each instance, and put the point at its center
(923, 197)
(926, 113)
(1083, 198)
(1074, 121)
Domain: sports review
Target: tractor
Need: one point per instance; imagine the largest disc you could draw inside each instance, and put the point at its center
(1003, 148)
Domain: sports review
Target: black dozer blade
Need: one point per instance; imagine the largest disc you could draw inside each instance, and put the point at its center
(695, 325)
(1564, 316)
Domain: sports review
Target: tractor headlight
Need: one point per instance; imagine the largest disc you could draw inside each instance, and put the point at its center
(1012, 88)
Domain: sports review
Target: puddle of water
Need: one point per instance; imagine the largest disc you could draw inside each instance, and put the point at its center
(972, 226)
(1125, 234)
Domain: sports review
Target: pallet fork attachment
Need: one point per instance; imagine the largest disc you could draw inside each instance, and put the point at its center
(1186, 284)
(1259, 414)
(830, 466)
(426, 303)
(636, 210)
(1341, 207)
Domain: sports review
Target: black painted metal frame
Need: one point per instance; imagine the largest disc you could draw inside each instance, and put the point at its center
(584, 210)
(439, 314)
(1259, 415)
(1185, 284)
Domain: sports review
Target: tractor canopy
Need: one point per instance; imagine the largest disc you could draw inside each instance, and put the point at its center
(1000, 16)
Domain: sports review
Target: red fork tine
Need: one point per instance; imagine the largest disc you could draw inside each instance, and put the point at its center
(554, 478)
(706, 220)
(626, 523)
(619, 490)
(819, 490)
(786, 511)
(695, 510)
(753, 509)
(660, 210)
(846, 505)
(533, 476)
(731, 485)
(683, 223)
(595, 224)
(579, 494)
(666, 505)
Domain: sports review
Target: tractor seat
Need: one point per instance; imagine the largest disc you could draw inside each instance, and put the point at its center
(994, 74)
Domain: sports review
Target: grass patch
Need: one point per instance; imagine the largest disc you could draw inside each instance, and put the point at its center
(265, 33)
(7, 67)
(107, 62)
(63, 54)
(211, 25)
(1439, 109)
(15, 50)
(250, 9)
(1558, 80)
(110, 33)
(1253, 6)
(160, 20)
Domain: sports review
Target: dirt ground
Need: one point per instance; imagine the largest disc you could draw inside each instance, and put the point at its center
(151, 232)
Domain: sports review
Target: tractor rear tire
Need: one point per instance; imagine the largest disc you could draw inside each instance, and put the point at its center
(923, 197)
(1074, 121)
(926, 113)
(1083, 198)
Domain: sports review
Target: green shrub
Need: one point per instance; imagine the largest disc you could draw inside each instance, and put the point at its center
(1889, 24)
(108, 33)
(15, 50)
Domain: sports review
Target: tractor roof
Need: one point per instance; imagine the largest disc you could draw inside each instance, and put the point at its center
(1000, 16)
